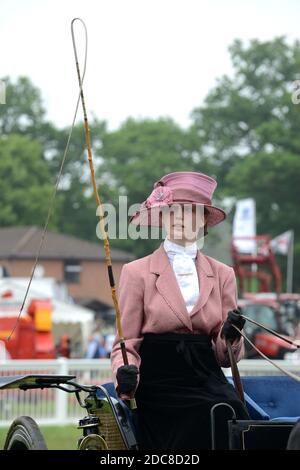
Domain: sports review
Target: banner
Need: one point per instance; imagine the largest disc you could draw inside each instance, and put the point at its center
(281, 243)
(244, 225)
(284, 245)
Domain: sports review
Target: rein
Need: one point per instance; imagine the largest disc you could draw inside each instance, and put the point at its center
(233, 363)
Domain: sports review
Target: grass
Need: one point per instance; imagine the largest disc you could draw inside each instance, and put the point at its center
(56, 437)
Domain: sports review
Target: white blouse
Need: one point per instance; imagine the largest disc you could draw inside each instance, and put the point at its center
(182, 259)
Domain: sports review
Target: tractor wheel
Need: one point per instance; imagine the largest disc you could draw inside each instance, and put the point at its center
(24, 434)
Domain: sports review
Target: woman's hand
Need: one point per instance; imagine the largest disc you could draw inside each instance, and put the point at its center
(228, 330)
(127, 378)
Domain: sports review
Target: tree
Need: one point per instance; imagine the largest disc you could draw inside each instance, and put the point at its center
(249, 126)
(24, 112)
(137, 155)
(25, 184)
(77, 213)
(253, 111)
(24, 115)
(273, 181)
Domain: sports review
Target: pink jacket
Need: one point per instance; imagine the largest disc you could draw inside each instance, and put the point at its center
(151, 302)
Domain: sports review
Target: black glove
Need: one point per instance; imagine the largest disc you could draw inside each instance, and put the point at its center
(127, 378)
(234, 318)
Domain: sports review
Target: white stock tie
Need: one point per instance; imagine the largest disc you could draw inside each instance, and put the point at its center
(182, 259)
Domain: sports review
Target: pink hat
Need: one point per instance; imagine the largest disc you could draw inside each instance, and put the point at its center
(179, 187)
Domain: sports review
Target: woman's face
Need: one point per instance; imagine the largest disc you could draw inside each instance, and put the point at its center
(184, 223)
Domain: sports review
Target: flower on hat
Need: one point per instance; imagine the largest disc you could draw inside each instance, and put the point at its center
(160, 196)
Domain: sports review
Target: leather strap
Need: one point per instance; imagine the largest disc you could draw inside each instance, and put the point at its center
(235, 372)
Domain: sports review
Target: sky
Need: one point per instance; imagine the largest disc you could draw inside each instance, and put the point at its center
(146, 58)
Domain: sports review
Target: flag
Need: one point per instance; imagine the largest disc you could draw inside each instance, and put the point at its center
(244, 225)
(281, 243)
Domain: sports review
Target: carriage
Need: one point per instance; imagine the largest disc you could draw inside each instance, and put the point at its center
(273, 403)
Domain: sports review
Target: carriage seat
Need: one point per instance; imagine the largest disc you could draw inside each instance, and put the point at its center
(275, 398)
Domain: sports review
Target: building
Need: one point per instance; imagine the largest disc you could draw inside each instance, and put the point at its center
(77, 263)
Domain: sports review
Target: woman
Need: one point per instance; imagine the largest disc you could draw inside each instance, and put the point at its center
(174, 306)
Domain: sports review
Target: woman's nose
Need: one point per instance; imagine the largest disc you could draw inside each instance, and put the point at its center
(178, 212)
(178, 217)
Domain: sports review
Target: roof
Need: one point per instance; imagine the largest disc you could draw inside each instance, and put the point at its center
(49, 287)
(23, 243)
(65, 312)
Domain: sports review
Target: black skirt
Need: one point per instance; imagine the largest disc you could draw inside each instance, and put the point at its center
(180, 381)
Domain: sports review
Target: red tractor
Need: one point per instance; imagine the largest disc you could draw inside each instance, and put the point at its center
(277, 311)
(268, 313)
(32, 338)
(248, 266)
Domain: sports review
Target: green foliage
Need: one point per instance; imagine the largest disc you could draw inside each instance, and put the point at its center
(273, 180)
(140, 152)
(23, 111)
(253, 110)
(246, 134)
(25, 184)
(137, 155)
(77, 213)
(250, 128)
(32, 150)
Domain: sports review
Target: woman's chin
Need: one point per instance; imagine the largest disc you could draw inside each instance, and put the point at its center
(181, 236)
(177, 233)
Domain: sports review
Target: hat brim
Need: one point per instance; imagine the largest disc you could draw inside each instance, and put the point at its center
(152, 216)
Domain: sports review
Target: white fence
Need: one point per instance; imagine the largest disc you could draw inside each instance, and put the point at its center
(52, 406)
(49, 406)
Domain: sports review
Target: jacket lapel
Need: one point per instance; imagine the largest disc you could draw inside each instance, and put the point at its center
(206, 281)
(169, 289)
(167, 285)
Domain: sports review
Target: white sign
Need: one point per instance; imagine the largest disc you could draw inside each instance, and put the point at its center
(244, 225)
